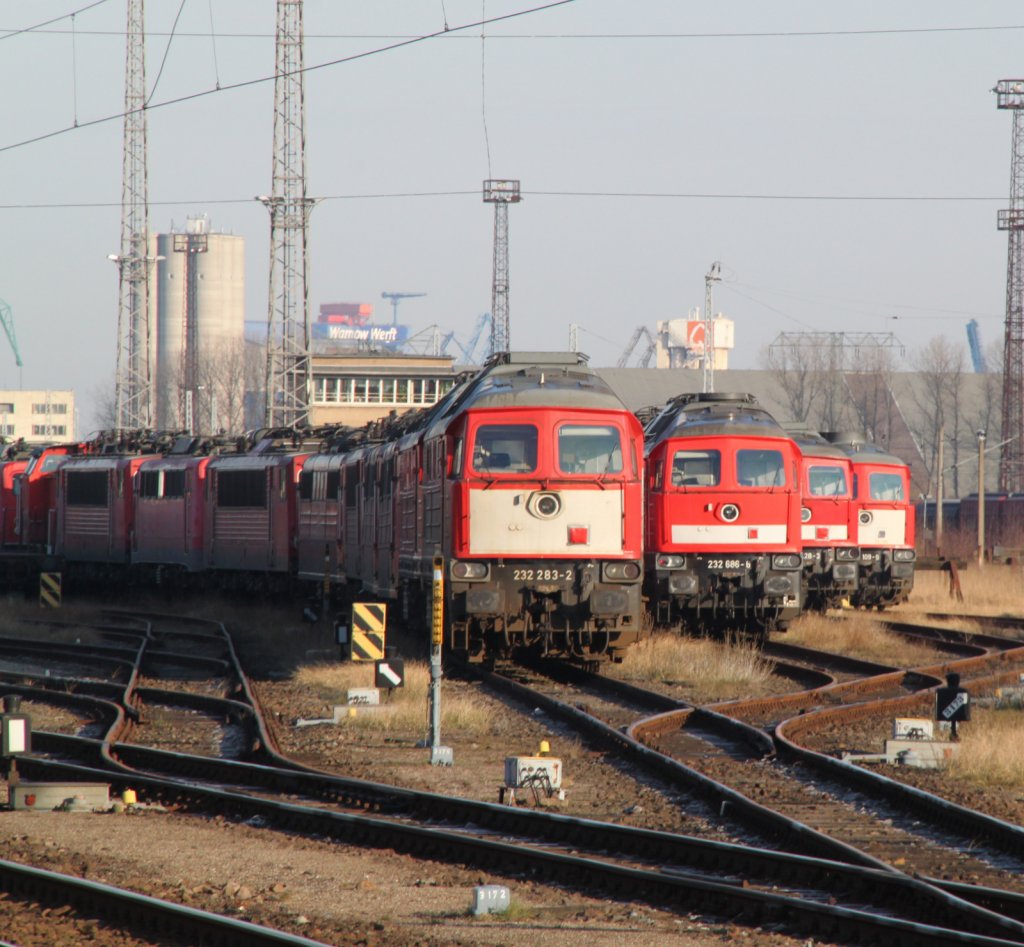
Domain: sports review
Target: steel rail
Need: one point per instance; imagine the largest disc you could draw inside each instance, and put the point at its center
(660, 888)
(140, 913)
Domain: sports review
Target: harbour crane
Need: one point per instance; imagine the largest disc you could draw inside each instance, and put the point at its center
(394, 299)
(974, 341)
(7, 318)
(645, 359)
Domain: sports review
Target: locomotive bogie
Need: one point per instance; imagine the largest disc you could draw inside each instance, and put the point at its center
(742, 592)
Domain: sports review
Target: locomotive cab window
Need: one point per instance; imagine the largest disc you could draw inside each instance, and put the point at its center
(589, 449)
(886, 486)
(505, 448)
(760, 468)
(696, 468)
(826, 482)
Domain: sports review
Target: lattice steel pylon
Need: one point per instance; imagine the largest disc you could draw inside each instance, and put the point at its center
(132, 387)
(1010, 95)
(500, 194)
(289, 375)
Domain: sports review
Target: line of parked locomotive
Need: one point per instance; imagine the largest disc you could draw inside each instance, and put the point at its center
(560, 520)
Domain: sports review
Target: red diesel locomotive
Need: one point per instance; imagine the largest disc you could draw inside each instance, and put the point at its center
(828, 523)
(723, 547)
(885, 522)
(526, 480)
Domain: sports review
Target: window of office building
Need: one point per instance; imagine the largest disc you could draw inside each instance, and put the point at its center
(392, 392)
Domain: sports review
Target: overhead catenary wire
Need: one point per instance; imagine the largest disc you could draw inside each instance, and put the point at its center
(167, 50)
(213, 43)
(735, 34)
(867, 198)
(261, 80)
(40, 27)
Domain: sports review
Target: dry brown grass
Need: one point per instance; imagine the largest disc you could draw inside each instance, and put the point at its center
(711, 669)
(860, 636)
(992, 590)
(991, 752)
(406, 710)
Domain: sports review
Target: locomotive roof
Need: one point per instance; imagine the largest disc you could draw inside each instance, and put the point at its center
(529, 380)
(712, 414)
(812, 444)
(857, 447)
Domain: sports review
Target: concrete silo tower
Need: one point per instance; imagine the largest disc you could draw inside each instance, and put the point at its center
(200, 321)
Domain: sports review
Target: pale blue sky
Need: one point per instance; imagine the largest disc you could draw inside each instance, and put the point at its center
(621, 98)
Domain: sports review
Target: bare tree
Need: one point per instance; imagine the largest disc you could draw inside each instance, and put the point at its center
(940, 367)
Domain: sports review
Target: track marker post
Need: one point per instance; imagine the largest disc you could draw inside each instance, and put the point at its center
(439, 755)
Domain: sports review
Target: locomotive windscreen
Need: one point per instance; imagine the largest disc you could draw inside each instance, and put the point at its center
(827, 482)
(887, 486)
(506, 448)
(589, 448)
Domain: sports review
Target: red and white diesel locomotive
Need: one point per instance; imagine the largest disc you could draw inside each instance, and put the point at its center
(885, 522)
(828, 523)
(723, 546)
(526, 480)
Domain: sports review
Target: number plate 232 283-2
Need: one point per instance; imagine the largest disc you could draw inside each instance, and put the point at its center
(541, 575)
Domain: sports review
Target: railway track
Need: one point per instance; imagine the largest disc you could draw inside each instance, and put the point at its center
(673, 882)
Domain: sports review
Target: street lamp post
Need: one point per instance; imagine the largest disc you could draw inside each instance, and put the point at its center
(981, 498)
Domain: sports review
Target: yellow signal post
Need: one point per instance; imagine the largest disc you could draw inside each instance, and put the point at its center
(439, 755)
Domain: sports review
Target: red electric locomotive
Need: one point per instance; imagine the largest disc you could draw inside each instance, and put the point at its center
(36, 489)
(170, 516)
(11, 470)
(723, 548)
(96, 511)
(885, 522)
(829, 523)
(250, 516)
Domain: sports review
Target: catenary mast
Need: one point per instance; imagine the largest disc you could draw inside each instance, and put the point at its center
(132, 395)
(288, 375)
(1010, 95)
(500, 194)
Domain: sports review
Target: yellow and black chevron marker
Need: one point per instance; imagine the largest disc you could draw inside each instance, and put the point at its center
(369, 624)
(49, 589)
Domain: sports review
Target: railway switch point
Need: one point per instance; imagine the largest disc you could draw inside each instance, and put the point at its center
(490, 899)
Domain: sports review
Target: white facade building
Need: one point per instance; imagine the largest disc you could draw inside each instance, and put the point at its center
(38, 416)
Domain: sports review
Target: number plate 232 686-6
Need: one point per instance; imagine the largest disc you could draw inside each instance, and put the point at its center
(541, 574)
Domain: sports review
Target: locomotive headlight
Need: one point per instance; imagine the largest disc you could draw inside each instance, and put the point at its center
(665, 561)
(469, 570)
(786, 560)
(544, 506)
(847, 553)
(805, 514)
(620, 571)
(904, 555)
(729, 512)
(865, 517)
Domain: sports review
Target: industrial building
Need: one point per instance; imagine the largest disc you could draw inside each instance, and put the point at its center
(198, 317)
(37, 416)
